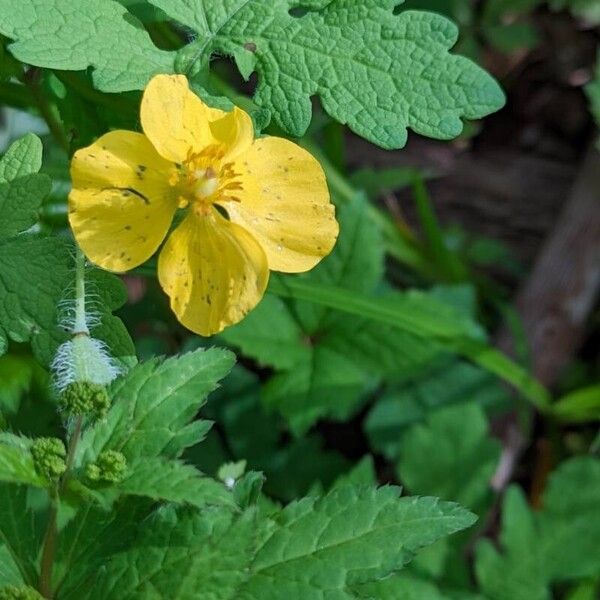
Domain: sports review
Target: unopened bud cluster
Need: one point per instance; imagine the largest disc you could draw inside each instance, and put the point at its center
(49, 457)
(84, 398)
(110, 467)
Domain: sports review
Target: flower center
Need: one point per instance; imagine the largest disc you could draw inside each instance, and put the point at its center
(206, 183)
(205, 180)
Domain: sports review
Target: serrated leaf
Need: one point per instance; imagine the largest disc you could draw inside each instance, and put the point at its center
(451, 456)
(399, 587)
(569, 523)
(153, 406)
(179, 556)
(87, 542)
(61, 34)
(173, 481)
(518, 574)
(352, 535)
(325, 383)
(378, 72)
(555, 544)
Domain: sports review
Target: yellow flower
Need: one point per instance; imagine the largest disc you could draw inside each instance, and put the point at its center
(251, 205)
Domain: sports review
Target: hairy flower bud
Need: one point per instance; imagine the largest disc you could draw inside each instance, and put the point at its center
(49, 457)
(21, 592)
(110, 467)
(83, 398)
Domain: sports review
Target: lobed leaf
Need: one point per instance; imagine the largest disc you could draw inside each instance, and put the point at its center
(451, 456)
(378, 72)
(61, 34)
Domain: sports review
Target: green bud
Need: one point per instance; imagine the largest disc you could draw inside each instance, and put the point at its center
(49, 457)
(21, 592)
(110, 467)
(83, 398)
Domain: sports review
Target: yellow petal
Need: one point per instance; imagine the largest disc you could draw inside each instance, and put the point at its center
(214, 272)
(175, 120)
(235, 131)
(284, 203)
(121, 204)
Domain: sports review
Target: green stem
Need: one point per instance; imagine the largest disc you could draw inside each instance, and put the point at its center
(48, 552)
(50, 538)
(32, 80)
(80, 325)
(51, 535)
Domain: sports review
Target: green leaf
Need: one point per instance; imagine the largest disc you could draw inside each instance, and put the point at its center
(352, 535)
(22, 188)
(580, 406)
(312, 549)
(178, 556)
(153, 407)
(173, 481)
(60, 34)
(558, 543)
(399, 587)
(327, 383)
(34, 270)
(518, 574)
(326, 360)
(292, 467)
(9, 571)
(270, 334)
(21, 529)
(16, 462)
(446, 383)
(110, 295)
(569, 523)
(88, 541)
(378, 72)
(451, 456)
(247, 490)
(416, 313)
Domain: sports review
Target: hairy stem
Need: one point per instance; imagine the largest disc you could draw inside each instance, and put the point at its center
(50, 538)
(80, 325)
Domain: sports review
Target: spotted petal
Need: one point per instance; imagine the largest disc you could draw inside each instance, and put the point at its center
(214, 272)
(178, 122)
(284, 203)
(121, 204)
